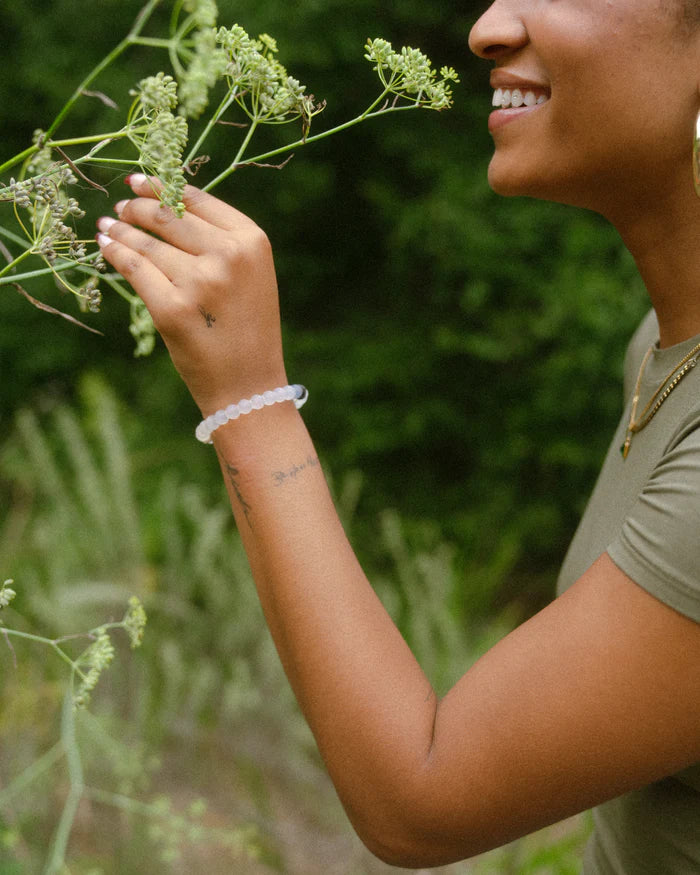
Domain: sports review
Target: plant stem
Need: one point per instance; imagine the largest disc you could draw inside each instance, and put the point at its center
(13, 264)
(32, 772)
(44, 271)
(73, 141)
(75, 773)
(47, 641)
(156, 42)
(367, 114)
(237, 159)
(223, 106)
(134, 33)
(129, 40)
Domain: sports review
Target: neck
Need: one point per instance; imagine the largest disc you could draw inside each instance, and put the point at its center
(664, 239)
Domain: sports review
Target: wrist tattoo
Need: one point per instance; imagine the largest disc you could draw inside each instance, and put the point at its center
(233, 474)
(208, 317)
(282, 477)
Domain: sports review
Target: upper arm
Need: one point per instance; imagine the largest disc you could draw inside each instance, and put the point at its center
(596, 695)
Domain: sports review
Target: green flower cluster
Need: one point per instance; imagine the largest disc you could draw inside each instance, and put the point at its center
(50, 214)
(134, 622)
(160, 136)
(207, 65)
(204, 12)
(96, 659)
(410, 74)
(261, 85)
(6, 593)
(141, 327)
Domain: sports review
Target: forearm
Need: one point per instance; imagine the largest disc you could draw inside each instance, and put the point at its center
(364, 695)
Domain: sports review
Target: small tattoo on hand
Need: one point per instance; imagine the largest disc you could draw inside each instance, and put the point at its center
(208, 317)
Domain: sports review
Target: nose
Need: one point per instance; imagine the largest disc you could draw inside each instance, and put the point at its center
(499, 31)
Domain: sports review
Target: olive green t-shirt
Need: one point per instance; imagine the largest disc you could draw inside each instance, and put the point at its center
(645, 512)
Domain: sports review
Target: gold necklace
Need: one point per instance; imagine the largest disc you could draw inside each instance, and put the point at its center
(684, 366)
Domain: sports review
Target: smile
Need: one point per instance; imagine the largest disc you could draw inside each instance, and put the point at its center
(505, 98)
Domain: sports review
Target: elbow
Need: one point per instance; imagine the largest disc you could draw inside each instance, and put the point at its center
(404, 855)
(410, 851)
(404, 836)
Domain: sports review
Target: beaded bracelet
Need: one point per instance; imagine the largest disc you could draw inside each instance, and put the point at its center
(296, 393)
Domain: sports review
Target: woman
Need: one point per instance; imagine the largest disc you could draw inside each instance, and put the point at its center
(595, 701)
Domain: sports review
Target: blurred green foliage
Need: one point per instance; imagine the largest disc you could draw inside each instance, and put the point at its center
(202, 709)
(462, 351)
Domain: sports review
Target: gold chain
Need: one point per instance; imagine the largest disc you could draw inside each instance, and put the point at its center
(684, 366)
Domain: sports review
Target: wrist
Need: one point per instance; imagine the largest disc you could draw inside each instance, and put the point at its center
(295, 394)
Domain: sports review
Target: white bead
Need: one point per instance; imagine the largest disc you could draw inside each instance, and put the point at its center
(257, 402)
(289, 393)
(220, 417)
(232, 411)
(279, 395)
(245, 406)
(202, 432)
(269, 397)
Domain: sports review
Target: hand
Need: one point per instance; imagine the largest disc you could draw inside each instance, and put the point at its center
(208, 280)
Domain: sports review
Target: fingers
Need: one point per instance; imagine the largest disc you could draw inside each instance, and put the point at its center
(197, 202)
(146, 279)
(172, 258)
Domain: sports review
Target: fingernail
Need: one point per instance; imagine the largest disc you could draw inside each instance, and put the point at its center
(120, 206)
(105, 223)
(135, 179)
(103, 240)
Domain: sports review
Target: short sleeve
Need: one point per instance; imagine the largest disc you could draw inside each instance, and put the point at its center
(659, 544)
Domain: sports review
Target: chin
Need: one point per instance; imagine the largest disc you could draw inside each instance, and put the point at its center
(510, 182)
(518, 182)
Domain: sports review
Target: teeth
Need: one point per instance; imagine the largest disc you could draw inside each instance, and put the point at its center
(504, 98)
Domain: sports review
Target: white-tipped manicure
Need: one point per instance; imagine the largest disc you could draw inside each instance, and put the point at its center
(103, 240)
(136, 179)
(105, 223)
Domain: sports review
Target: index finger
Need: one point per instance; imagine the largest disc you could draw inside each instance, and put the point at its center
(200, 203)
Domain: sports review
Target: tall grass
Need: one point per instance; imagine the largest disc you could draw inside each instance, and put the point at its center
(203, 710)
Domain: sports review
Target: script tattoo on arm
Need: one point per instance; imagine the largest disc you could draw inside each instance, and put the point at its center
(282, 477)
(207, 316)
(233, 474)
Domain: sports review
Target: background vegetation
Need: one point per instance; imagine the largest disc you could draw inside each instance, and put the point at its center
(463, 355)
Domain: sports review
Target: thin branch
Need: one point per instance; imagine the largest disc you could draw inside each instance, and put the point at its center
(270, 166)
(6, 252)
(80, 172)
(100, 96)
(9, 644)
(48, 309)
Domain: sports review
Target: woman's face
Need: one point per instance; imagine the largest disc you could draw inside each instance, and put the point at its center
(605, 94)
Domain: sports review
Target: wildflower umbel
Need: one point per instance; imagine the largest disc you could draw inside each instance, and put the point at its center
(410, 72)
(260, 84)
